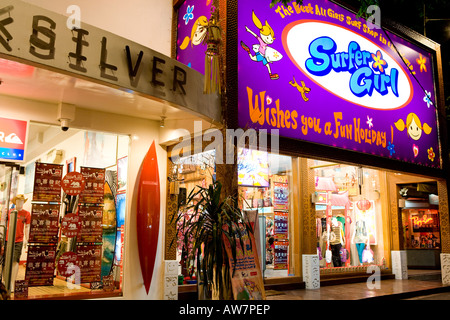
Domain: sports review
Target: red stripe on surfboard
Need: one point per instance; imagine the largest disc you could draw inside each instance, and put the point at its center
(148, 215)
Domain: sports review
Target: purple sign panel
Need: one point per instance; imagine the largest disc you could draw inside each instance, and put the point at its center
(193, 17)
(318, 73)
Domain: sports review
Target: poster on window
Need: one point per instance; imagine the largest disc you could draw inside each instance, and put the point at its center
(280, 196)
(47, 182)
(40, 265)
(89, 259)
(280, 228)
(94, 185)
(44, 223)
(247, 281)
(280, 261)
(91, 223)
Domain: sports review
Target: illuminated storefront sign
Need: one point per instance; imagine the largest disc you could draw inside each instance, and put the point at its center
(13, 135)
(318, 73)
(421, 221)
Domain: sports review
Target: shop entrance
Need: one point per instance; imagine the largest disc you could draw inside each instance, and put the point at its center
(419, 203)
(68, 199)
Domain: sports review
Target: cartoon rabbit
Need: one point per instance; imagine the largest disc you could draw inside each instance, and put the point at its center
(264, 53)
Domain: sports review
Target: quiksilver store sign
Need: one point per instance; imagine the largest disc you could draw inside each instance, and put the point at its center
(318, 73)
(31, 34)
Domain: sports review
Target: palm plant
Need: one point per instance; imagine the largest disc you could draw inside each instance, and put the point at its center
(211, 223)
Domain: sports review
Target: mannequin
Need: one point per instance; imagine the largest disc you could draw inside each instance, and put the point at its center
(337, 240)
(359, 237)
(22, 233)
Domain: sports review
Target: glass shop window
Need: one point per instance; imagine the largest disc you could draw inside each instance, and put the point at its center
(188, 173)
(70, 200)
(265, 183)
(420, 216)
(348, 216)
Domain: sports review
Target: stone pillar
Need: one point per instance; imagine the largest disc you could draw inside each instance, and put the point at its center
(399, 265)
(311, 271)
(445, 268)
(170, 280)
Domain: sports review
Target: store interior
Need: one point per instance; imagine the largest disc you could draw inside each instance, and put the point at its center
(349, 220)
(70, 151)
(264, 181)
(419, 205)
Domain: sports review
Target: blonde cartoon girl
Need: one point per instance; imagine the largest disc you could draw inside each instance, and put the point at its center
(264, 53)
(198, 33)
(414, 126)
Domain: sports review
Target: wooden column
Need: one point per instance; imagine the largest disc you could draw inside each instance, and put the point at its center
(307, 210)
(444, 216)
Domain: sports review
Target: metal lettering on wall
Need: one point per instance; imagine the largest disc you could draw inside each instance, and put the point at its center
(100, 55)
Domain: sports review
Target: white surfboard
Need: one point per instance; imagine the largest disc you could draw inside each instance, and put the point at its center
(271, 55)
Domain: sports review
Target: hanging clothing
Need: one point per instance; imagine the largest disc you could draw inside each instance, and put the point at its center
(360, 232)
(338, 234)
(336, 255)
(342, 221)
(360, 248)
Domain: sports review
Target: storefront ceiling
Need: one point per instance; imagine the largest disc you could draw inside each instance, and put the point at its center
(23, 81)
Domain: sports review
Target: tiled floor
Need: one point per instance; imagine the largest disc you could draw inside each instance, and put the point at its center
(362, 290)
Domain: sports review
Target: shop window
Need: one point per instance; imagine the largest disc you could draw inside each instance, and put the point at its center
(421, 229)
(76, 226)
(265, 184)
(187, 174)
(420, 216)
(349, 218)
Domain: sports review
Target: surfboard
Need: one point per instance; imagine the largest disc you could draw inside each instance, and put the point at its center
(109, 230)
(148, 215)
(271, 54)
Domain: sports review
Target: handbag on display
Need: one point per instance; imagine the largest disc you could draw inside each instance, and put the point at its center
(343, 254)
(328, 254)
(367, 255)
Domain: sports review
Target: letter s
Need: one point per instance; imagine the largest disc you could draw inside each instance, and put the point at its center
(36, 42)
(320, 50)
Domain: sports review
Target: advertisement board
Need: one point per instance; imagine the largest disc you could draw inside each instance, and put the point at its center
(193, 17)
(318, 73)
(13, 137)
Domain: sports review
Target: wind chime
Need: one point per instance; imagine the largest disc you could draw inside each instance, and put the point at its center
(212, 56)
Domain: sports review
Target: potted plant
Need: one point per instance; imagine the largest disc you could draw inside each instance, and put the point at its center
(205, 223)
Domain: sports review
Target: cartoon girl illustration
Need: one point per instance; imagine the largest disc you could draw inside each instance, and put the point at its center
(414, 126)
(264, 53)
(198, 33)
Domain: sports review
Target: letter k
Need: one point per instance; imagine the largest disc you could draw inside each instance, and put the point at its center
(5, 40)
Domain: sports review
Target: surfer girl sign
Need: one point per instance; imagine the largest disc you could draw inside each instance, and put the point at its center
(264, 53)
